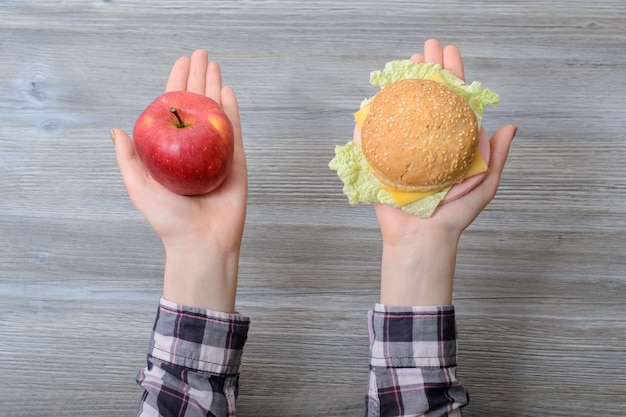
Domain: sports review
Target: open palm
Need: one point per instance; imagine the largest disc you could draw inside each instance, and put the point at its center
(217, 217)
(452, 218)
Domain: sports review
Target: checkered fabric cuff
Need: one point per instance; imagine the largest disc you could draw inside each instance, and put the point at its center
(413, 363)
(412, 337)
(199, 339)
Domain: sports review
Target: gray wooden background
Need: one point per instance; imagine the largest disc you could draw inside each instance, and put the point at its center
(541, 286)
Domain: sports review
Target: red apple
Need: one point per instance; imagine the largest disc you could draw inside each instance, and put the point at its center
(186, 142)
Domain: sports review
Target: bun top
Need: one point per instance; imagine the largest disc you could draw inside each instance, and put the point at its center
(419, 136)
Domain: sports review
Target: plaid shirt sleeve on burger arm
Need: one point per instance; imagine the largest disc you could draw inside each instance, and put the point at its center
(193, 363)
(413, 363)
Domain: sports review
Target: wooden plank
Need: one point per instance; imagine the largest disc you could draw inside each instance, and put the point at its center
(541, 286)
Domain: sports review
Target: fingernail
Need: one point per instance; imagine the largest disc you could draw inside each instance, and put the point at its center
(112, 132)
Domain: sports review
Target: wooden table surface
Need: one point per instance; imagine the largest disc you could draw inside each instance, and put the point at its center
(540, 289)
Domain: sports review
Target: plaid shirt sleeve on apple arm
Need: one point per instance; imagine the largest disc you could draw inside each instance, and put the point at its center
(193, 363)
(413, 363)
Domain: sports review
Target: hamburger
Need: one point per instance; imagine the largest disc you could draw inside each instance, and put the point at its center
(418, 140)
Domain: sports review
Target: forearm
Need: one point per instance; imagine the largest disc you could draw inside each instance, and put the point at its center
(202, 276)
(419, 272)
(413, 333)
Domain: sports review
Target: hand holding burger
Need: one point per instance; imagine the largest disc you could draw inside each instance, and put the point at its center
(418, 141)
(419, 253)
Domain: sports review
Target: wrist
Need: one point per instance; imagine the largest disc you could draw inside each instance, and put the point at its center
(198, 274)
(419, 271)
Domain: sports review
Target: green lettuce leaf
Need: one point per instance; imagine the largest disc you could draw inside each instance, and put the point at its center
(360, 186)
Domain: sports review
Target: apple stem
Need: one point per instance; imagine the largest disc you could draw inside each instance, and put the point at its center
(175, 112)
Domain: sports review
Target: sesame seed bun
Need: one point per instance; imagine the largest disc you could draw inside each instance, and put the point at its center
(419, 136)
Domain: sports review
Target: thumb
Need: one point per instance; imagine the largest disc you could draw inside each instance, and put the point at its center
(481, 196)
(132, 169)
(500, 144)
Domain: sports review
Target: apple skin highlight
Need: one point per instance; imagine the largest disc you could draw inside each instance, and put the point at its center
(189, 158)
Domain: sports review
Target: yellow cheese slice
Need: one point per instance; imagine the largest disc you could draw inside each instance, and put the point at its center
(402, 198)
(437, 77)
(478, 166)
(361, 114)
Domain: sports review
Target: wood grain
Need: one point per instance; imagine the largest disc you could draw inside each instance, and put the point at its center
(540, 289)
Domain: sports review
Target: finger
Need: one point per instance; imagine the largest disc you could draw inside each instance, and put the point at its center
(196, 82)
(356, 135)
(132, 169)
(231, 108)
(417, 58)
(433, 51)
(500, 145)
(177, 80)
(477, 199)
(213, 82)
(453, 62)
(239, 171)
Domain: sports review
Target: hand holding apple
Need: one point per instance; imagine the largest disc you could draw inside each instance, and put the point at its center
(185, 141)
(201, 233)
